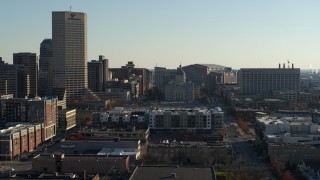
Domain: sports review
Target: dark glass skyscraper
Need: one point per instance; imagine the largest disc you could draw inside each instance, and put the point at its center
(30, 63)
(45, 68)
(98, 74)
(12, 79)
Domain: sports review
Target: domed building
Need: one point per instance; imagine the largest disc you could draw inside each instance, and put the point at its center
(180, 76)
(178, 89)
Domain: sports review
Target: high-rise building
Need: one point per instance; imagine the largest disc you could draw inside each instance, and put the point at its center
(11, 78)
(69, 50)
(266, 81)
(162, 76)
(45, 65)
(106, 72)
(95, 76)
(30, 63)
(98, 74)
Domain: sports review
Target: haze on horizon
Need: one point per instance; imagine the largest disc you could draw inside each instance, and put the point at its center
(164, 33)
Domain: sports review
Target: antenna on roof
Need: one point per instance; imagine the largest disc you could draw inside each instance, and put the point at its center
(70, 8)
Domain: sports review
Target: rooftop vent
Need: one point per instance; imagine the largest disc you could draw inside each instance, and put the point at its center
(173, 175)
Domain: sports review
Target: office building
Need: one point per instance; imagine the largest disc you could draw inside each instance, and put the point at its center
(197, 73)
(150, 79)
(162, 77)
(106, 72)
(266, 81)
(287, 130)
(69, 50)
(128, 71)
(45, 66)
(30, 63)
(66, 120)
(12, 79)
(95, 76)
(98, 74)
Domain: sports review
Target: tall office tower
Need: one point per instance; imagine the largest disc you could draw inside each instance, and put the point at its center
(98, 74)
(95, 76)
(45, 65)
(30, 63)
(162, 77)
(12, 79)
(69, 51)
(106, 72)
(159, 73)
(265, 81)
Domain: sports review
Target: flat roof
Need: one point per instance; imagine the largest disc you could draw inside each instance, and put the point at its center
(16, 128)
(270, 120)
(290, 120)
(168, 172)
(191, 110)
(118, 151)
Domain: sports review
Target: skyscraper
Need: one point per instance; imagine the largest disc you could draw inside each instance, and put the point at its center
(30, 63)
(69, 50)
(98, 74)
(45, 65)
(95, 75)
(11, 79)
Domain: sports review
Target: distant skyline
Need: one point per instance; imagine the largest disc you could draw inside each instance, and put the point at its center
(165, 33)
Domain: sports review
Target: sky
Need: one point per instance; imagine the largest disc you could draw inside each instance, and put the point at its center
(165, 33)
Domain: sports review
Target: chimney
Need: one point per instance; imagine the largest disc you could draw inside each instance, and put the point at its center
(279, 66)
(284, 65)
(292, 66)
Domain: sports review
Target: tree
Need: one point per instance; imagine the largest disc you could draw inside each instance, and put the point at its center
(276, 167)
(243, 125)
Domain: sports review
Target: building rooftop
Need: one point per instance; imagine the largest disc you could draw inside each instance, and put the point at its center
(214, 67)
(173, 172)
(190, 110)
(269, 120)
(272, 100)
(118, 151)
(14, 129)
(188, 144)
(290, 120)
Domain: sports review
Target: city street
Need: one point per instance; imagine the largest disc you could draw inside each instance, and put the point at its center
(16, 166)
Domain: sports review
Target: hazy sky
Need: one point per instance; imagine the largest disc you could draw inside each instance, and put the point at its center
(235, 33)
